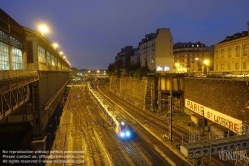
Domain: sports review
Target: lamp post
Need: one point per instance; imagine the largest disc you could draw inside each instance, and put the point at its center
(206, 63)
(43, 29)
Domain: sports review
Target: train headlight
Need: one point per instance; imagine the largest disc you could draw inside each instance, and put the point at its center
(127, 133)
(122, 134)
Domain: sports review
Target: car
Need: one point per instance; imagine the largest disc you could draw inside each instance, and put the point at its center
(202, 75)
(240, 76)
(227, 75)
(246, 75)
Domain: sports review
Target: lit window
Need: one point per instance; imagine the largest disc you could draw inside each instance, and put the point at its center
(41, 54)
(197, 45)
(49, 58)
(4, 56)
(16, 58)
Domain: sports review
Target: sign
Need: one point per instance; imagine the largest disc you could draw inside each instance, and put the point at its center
(166, 68)
(159, 68)
(215, 116)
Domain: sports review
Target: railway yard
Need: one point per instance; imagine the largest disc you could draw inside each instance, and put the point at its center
(87, 137)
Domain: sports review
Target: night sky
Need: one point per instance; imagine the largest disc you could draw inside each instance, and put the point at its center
(92, 32)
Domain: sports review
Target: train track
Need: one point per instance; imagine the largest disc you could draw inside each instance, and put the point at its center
(154, 121)
(158, 147)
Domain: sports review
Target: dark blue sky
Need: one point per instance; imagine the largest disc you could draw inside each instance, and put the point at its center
(91, 33)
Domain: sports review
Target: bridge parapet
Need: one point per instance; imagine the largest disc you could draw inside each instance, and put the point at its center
(9, 74)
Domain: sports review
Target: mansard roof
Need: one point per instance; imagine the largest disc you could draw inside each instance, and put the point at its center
(235, 36)
(188, 45)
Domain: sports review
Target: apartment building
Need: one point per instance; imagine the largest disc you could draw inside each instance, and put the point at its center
(192, 57)
(232, 54)
(156, 51)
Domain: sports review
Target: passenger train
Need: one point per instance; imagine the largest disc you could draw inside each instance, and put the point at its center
(121, 127)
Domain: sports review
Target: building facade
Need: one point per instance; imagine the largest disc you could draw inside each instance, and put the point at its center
(232, 54)
(123, 59)
(192, 57)
(156, 51)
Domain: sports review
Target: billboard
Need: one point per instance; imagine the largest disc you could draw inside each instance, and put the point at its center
(215, 116)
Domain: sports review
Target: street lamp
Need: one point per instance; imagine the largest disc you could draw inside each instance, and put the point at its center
(177, 66)
(43, 29)
(55, 45)
(206, 63)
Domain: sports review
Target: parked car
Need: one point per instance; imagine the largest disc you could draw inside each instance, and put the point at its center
(240, 76)
(202, 75)
(228, 75)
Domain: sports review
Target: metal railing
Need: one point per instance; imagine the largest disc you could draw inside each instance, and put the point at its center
(8, 74)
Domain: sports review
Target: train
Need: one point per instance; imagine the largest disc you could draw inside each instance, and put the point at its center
(120, 126)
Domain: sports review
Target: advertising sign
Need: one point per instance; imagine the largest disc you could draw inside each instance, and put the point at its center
(215, 116)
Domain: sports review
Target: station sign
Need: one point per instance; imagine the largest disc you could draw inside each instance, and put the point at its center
(215, 116)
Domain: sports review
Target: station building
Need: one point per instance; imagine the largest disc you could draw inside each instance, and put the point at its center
(33, 78)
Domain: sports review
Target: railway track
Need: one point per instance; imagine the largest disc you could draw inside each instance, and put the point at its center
(156, 122)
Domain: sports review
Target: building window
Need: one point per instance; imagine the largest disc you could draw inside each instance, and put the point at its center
(16, 58)
(55, 61)
(229, 52)
(41, 54)
(245, 50)
(4, 36)
(48, 58)
(216, 54)
(52, 60)
(217, 66)
(229, 66)
(236, 65)
(244, 65)
(222, 66)
(4, 56)
(237, 51)
(222, 53)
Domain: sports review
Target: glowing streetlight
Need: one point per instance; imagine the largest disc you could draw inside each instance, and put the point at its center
(60, 52)
(206, 62)
(43, 29)
(55, 45)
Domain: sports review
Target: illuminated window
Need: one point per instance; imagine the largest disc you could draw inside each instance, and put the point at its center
(52, 60)
(16, 58)
(41, 54)
(49, 58)
(4, 56)
(55, 61)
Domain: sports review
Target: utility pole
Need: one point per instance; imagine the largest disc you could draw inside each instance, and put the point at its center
(170, 116)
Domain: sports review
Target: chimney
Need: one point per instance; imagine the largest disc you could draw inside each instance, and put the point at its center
(248, 27)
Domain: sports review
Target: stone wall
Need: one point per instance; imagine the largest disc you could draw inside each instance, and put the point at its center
(228, 96)
(137, 92)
